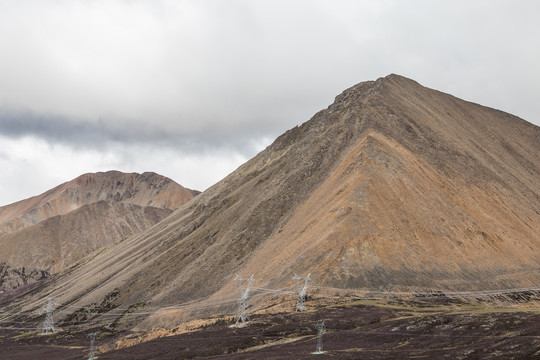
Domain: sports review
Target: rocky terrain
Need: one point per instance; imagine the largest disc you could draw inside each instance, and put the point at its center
(48, 233)
(393, 187)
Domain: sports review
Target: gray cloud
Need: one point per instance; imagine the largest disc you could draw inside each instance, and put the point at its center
(102, 134)
(205, 76)
(252, 68)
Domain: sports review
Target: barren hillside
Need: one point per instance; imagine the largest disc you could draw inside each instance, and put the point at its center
(59, 242)
(48, 233)
(147, 189)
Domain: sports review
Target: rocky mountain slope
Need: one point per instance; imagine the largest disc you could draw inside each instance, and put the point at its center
(393, 186)
(147, 189)
(48, 233)
(60, 241)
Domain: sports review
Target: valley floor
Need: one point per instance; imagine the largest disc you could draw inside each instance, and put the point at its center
(426, 328)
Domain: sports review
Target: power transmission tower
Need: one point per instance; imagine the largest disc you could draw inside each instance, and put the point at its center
(320, 331)
(48, 324)
(244, 286)
(92, 338)
(301, 289)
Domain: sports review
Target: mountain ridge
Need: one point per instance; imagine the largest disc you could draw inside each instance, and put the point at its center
(146, 189)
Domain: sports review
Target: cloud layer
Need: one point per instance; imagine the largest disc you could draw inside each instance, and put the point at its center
(207, 77)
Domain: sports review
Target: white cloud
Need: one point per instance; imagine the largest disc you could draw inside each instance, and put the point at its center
(196, 171)
(31, 166)
(196, 66)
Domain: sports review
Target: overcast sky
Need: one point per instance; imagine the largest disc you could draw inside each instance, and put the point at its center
(192, 89)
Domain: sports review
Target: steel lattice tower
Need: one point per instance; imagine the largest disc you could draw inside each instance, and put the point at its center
(301, 289)
(48, 324)
(244, 286)
(92, 338)
(320, 331)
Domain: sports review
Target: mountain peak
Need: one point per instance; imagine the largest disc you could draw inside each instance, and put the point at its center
(397, 78)
(363, 91)
(147, 189)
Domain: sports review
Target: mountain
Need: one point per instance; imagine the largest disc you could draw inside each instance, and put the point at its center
(147, 189)
(393, 186)
(60, 241)
(48, 233)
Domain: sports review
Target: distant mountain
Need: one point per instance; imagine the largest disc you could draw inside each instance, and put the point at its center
(147, 189)
(48, 233)
(393, 186)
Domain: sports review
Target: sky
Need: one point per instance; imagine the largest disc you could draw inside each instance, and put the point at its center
(191, 89)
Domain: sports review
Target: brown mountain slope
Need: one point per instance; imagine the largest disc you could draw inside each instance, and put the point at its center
(45, 234)
(394, 185)
(147, 189)
(59, 242)
(62, 239)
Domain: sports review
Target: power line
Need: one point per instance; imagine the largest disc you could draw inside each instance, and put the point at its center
(244, 288)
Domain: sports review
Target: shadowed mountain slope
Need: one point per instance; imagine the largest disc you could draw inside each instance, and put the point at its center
(394, 185)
